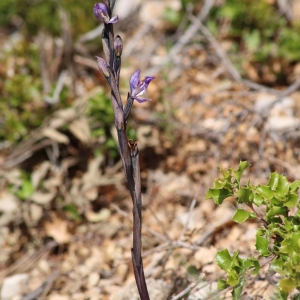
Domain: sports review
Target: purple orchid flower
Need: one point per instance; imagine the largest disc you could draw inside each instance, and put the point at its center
(101, 13)
(138, 87)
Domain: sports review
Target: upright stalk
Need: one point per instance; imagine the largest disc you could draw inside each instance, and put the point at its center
(129, 152)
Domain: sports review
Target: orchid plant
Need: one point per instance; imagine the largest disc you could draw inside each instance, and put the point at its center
(110, 67)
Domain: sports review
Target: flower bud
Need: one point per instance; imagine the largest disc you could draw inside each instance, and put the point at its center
(118, 45)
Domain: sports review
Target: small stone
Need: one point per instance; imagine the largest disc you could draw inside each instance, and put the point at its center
(93, 279)
(14, 286)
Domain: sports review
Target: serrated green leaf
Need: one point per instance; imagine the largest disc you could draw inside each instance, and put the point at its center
(295, 238)
(237, 290)
(273, 182)
(295, 186)
(265, 191)
(222, 184)
(239, 172)
(222, 284)
(282, 187)
(233, 278)
(286, 285)
(275, 201)
(237, 262)
(244, 194)
(275, 211)
(241, 216)
(260, 232)
(250, 263)
(258, 200)
(277, 265)
(256, 266)
(262, 245)
(288, 225)
(284, 246)
(218, 195)
(224, 259)
(292, 200)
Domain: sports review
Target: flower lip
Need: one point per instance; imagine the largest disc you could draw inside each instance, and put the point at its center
(138, 87)
(101, 13)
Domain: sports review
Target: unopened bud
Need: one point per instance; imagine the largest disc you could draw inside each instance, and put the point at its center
(102, 65)
(118, 45)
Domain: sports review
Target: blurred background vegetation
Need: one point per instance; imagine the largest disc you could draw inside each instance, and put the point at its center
(254, 32)
(41, 40)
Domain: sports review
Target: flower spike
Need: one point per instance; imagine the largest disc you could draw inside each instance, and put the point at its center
(138, 87)
(101, 13)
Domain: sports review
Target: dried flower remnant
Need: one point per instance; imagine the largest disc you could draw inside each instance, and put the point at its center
(101, 13)
(138, 87)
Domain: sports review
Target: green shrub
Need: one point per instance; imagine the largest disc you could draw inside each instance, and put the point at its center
(279, 237)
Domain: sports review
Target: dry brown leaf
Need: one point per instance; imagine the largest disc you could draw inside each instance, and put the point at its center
(57, 228)
(42, 198)
(55, 136)
(80, 128)
(40, 173)
(100, 216)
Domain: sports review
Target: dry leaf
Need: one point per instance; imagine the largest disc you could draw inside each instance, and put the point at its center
(40, 173)
(56, 136)
(42, 198)
(58, 229)
(80, 128)
(102, 215)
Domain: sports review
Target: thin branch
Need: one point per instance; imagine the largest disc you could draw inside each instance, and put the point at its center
(185, 291)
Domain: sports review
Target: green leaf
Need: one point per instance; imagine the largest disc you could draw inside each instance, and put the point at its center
(265, 191)
(292, 200)
(275, 211)
(192, 270)
(224, 259)
(218, 195)
(286, 285)
(222, 284)
(294, 186)
(277, 265)
(273, 182)
(256, 266)
(239, 172)
(295, 239)
(26, 190)
(283, 186)
(275, 201)
(252, 263)
(262, 245)
(233, 278)
(244, 194)
(288, 225)
(237, 290)
(222, 184)
(241, 216)
(258, 200)
(226, 173)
